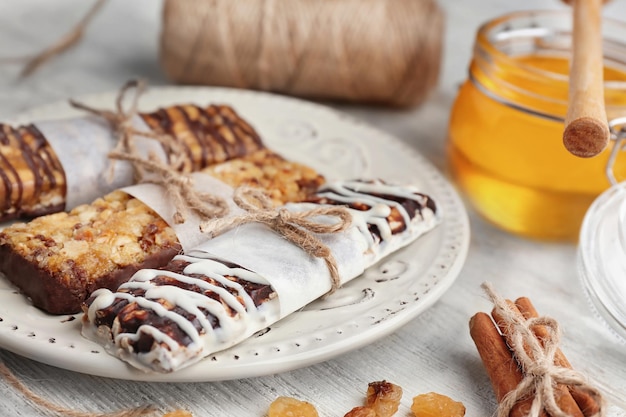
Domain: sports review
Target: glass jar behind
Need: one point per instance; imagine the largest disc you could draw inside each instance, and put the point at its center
(505, 146)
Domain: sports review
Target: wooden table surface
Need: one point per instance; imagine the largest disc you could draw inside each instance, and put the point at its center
(432, 353)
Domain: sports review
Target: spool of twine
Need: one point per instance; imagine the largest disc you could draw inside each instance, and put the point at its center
(367, 51)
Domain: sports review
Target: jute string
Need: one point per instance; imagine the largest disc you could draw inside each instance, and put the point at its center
(296, 227)
(65, 43)
(171, 174)
(386, 52)
(52, 409)
(541, 374)
(370, 51)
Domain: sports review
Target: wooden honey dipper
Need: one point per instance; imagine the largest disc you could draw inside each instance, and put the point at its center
(586, 131)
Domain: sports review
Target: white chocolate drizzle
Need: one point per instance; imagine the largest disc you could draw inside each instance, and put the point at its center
(372, 194)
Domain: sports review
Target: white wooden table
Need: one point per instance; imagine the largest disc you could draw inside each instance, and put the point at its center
(432, 353)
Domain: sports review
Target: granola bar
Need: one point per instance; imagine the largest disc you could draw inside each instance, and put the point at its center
(33, 180)
(58, 260)
(222, 292)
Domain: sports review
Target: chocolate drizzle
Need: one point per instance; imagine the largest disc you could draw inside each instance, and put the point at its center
(215, 133)
(363, 195)
(49, 162)
(6, 181)
(7, 186)
(29, 171)
(198, 132)
(135, 305)
(130, 315)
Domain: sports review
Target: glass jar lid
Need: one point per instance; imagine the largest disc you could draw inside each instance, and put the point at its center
(602, 247)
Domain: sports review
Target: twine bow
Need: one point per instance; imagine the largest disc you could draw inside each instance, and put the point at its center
(172, 174)
(537, 360)
(297, 227)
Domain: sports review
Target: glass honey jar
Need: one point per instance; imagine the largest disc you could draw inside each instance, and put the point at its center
(505, 147)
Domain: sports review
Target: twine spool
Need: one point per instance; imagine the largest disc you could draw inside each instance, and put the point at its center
(367, 51)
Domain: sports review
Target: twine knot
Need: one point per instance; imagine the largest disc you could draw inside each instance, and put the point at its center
(172, 173)
(537, 360)
(297, 227)
(539, 369)
(120, 120)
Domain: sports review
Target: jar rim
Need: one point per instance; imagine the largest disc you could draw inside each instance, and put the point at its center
(485, 46)
(482, 39)
(483, 31)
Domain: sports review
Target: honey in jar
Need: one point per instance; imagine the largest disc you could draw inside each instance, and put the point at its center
(505, 146)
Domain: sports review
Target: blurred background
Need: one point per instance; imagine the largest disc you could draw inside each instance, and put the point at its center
(123, 41)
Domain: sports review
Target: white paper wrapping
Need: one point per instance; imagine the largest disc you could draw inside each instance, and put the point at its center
(300, 278)
(82, 145)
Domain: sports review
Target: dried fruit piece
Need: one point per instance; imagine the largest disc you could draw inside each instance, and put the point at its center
(361, 411)
(433, 404)
(178, 413)
(291, 407)
(383, 397)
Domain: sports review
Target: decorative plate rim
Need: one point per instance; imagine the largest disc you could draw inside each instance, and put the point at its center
(446, 247)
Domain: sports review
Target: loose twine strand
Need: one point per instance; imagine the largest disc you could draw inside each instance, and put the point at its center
(172, 174)
(541, 374)
(63, 44)
(53, 409)
(296, 227)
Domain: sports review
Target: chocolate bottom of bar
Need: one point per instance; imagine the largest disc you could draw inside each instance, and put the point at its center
(26, 213)
(60, 295)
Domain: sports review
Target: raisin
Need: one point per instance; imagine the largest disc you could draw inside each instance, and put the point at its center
(383, 397)
(433, 404)
(291, 407)
(178, 413)
(361, 412)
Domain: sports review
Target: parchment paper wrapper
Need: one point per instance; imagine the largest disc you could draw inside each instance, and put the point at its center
(82, 145)
(297, 277)
(188, 233)
(300, 278)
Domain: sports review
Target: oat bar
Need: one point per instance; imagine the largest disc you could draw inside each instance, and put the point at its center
(33, 181)
(58, 260)
(209, 299)
(282, 180)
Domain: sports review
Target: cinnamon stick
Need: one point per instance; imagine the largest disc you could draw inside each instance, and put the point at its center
(586, 402)
(563, 398)
(501, 367)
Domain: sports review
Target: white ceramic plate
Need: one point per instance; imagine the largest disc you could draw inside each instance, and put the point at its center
(386, 297)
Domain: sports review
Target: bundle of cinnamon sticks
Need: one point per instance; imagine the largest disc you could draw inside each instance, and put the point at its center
(493, 337)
